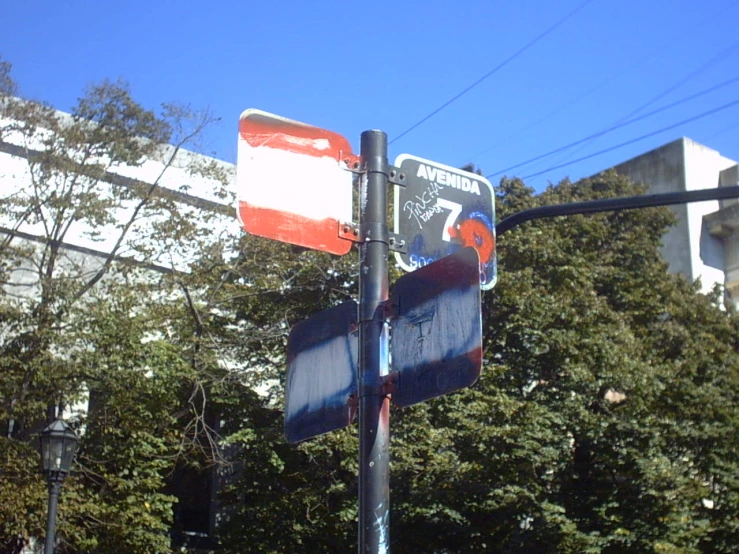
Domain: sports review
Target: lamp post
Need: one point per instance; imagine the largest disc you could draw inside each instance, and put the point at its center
(58, 447)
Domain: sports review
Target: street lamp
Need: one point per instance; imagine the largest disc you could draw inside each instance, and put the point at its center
(58, 446)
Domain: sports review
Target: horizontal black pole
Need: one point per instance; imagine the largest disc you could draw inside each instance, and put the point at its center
(610, 204)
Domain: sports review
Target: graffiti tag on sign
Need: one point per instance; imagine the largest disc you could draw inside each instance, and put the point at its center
(441, 210)
(424, 206)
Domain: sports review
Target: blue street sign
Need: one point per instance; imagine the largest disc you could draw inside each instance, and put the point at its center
(436, 339)
(321, 387)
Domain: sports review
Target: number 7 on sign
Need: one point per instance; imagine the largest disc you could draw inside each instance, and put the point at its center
(475, 232)
(454, 210)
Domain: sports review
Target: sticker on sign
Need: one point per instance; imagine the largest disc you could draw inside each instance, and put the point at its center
(442, 210)
(292, 184)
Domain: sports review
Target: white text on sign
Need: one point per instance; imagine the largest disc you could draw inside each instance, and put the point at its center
(448, 179)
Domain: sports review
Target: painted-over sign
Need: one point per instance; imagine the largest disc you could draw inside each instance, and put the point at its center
(321, 384)
(292, 185)
(441, 210)
(437, 329)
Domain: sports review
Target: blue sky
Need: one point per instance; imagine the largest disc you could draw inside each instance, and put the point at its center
(352, 66)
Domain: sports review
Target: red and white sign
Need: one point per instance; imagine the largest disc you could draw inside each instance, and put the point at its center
(292, 184)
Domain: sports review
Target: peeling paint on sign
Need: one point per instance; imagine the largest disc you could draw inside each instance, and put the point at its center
(291, 183)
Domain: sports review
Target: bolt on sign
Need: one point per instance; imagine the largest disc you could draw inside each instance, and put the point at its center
(292, 182)
(441, 210)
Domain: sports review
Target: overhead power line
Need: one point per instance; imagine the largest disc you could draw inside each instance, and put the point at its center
(642, 137)
(618, 126)
(717, 58)
(492, 71)
(724, 130)
(642, 59)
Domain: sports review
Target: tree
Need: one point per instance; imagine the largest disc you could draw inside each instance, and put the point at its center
(130, 302)
(603, 342)
(98, 234)
(604, 420)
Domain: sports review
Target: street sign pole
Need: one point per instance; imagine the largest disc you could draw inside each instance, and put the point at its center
(374, 403)
(294, 187)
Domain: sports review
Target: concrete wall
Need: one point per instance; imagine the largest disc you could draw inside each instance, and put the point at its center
(724, 224)
(174, 171)
(684, 165)
(663, 170)
(703, 166)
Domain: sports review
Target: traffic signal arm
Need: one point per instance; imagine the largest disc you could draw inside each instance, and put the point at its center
(612, 204)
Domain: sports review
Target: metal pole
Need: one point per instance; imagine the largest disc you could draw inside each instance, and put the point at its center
(610, 204)
(55, 484)
(374, 404)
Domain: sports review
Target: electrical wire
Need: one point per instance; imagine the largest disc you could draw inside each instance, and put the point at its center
(641, 60)
(493, 71)
(642, 137)
(724, 131)
(622, 124)
(717, 58)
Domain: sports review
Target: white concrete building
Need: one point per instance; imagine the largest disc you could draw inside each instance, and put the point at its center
(703, 245)
(204, 198)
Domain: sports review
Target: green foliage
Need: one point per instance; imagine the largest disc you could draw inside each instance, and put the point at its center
(605, 419)
(22, 494)
(94, 333)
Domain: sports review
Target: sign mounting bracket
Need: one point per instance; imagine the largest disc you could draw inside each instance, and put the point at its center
(354, 232)
(353, 163)
(397, 176)
(398, 243)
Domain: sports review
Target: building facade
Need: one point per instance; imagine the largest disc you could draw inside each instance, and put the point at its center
(193, 186)
(703, 244)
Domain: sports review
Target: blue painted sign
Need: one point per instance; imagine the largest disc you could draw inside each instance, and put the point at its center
(436, 339)
(321, 387)
(441, 210)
